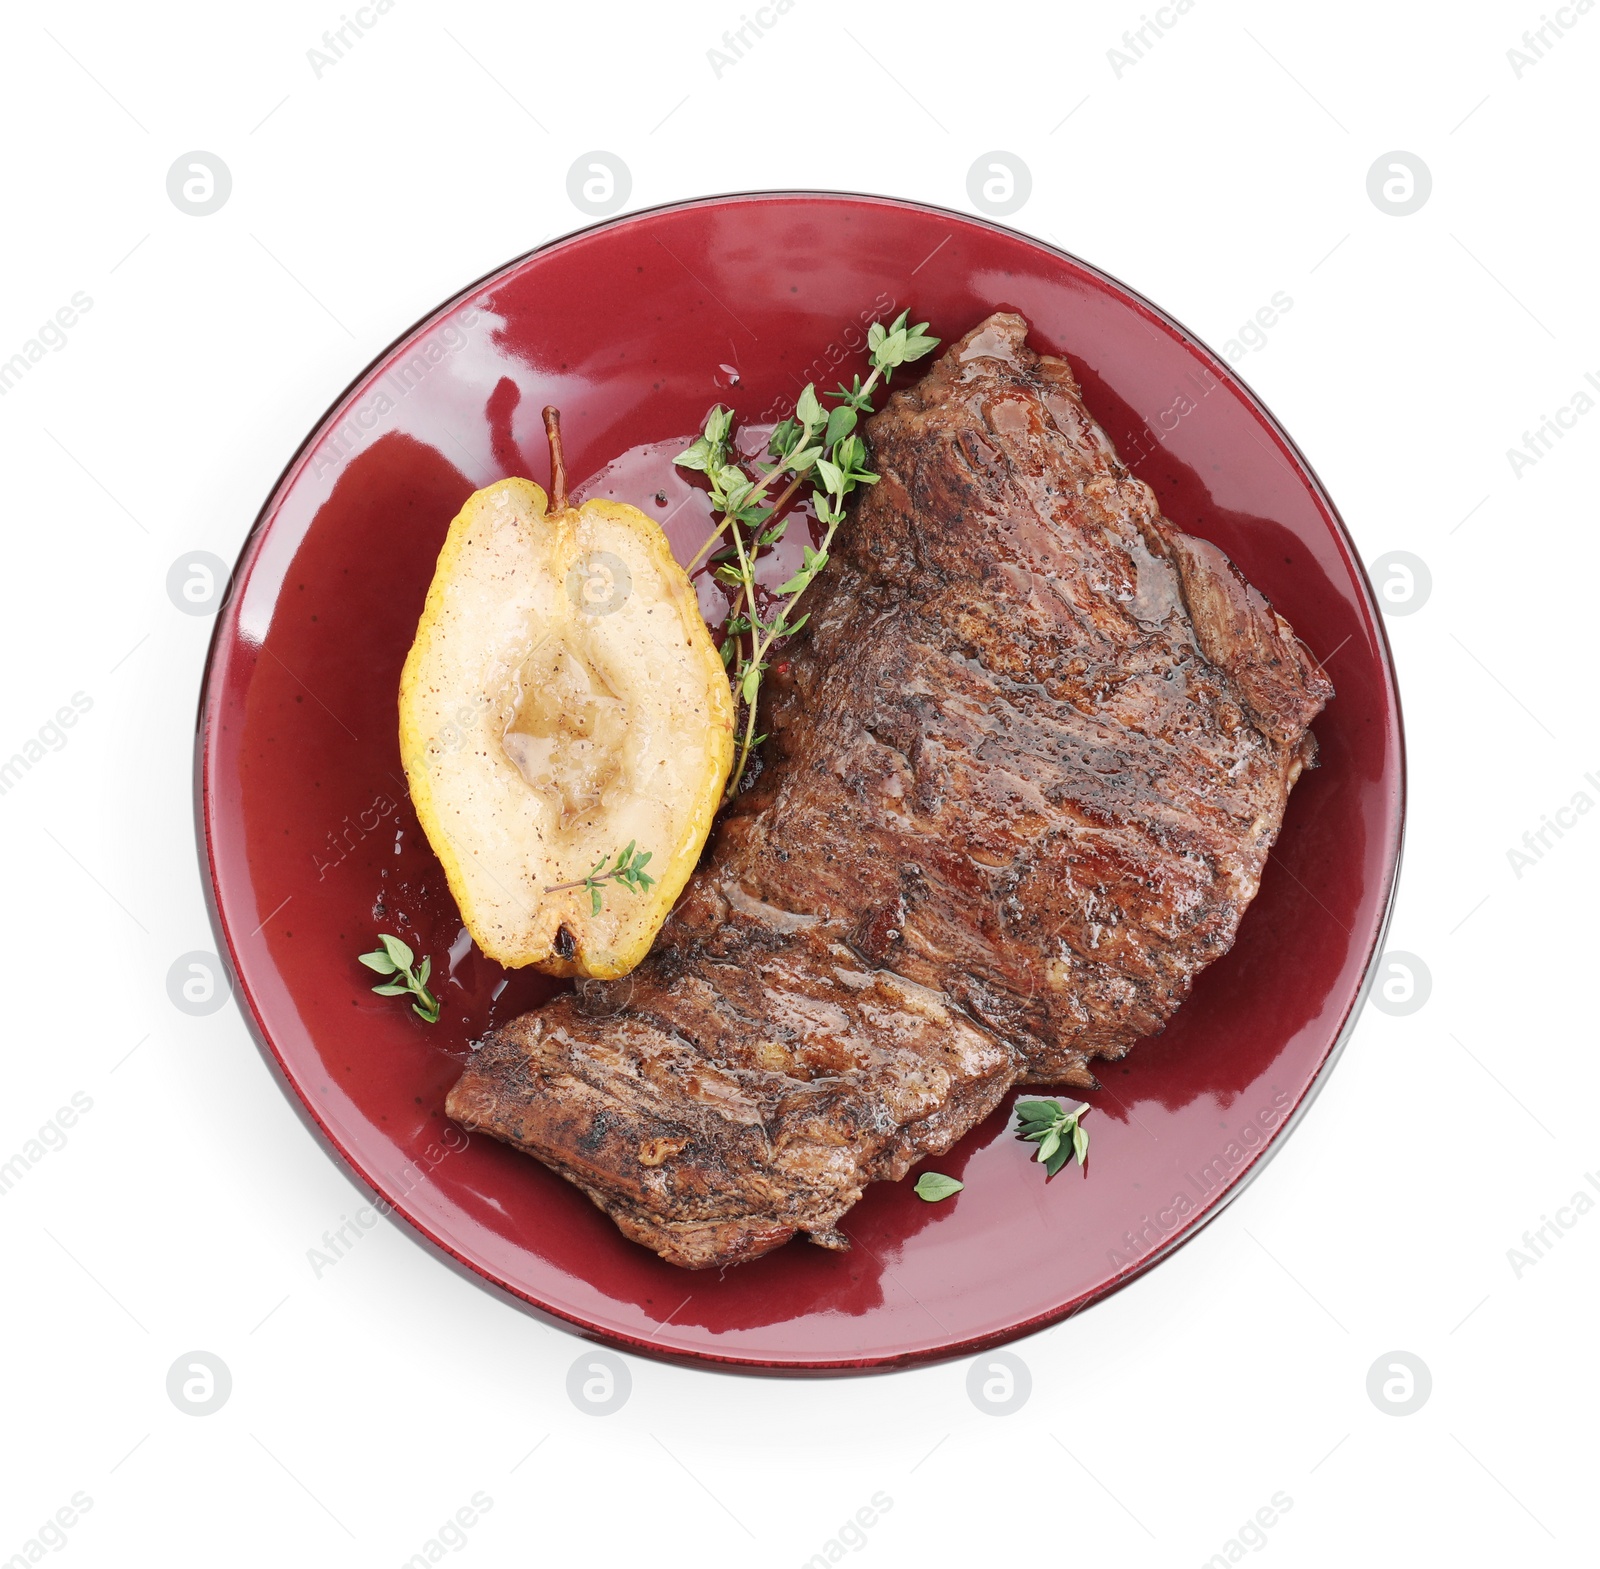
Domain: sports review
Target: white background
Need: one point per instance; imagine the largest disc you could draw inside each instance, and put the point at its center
(1227, 164)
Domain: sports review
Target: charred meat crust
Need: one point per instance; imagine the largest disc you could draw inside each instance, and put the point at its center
(1025, 770)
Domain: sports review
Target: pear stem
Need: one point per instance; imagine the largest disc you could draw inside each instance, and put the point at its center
(558, 462)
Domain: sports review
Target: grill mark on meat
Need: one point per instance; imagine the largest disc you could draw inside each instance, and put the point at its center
(1025, 769)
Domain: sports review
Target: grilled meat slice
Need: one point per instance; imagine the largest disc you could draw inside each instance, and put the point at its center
(749, 1095)
(1024, 773)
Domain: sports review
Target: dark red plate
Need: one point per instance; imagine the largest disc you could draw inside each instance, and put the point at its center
(635, 328)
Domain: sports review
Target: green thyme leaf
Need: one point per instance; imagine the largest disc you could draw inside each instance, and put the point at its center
(934, 1185)
(695, 456)
(397, 951)
(380, 961)
(841, 421)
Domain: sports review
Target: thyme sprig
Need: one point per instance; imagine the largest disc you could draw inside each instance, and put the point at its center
(629, 871)
(1060, 1134)
(814, 443)
(393, 957)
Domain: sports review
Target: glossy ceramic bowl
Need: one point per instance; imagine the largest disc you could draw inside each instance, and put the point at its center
(635, 328)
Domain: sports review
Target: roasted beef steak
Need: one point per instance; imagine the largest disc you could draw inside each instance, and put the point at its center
(1026, 765)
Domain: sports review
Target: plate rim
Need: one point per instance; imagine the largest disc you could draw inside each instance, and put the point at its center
(708, 1360)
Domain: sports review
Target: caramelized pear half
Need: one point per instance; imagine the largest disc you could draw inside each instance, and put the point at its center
(562, 701)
